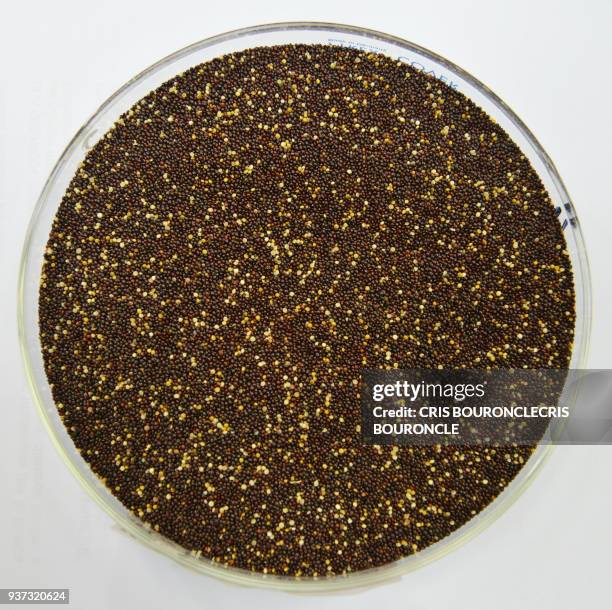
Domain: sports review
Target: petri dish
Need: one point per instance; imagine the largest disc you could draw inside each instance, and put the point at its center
(205, 50)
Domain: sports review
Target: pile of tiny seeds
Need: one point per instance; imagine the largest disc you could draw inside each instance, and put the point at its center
(235, 251)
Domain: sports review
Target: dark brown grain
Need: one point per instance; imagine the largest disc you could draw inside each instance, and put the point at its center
(231, 255)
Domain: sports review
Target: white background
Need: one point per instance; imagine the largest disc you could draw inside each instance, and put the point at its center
(550, 61)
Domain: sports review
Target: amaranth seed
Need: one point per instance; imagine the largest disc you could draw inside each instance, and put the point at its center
(238, 247)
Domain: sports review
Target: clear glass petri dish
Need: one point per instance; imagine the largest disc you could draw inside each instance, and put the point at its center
(267, 35)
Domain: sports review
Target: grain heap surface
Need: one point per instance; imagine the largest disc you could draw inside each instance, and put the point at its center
(239, 247)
